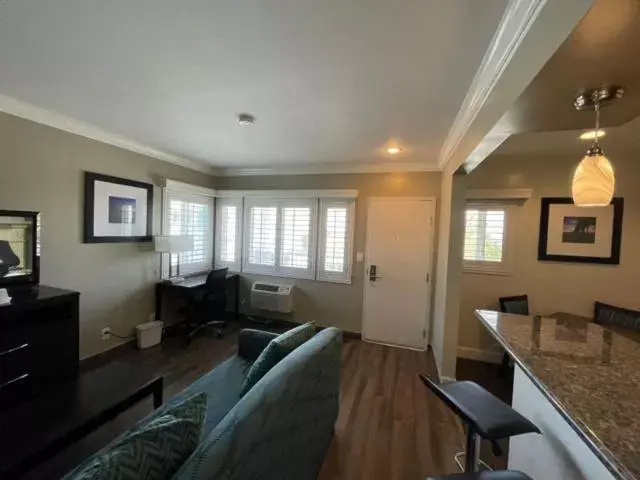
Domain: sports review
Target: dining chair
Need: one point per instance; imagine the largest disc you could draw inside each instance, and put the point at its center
(519, 305)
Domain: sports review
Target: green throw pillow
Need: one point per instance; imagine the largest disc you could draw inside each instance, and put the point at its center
(155, 450)
(276, 350)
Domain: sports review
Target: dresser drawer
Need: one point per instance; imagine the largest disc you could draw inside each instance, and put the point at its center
(15, 361)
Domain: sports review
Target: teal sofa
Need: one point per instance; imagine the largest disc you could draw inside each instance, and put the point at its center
(282, 427)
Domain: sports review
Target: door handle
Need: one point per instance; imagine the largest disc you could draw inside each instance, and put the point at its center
(373, 269)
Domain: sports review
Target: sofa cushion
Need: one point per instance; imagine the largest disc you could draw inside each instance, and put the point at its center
(276, 350)
(222, 386)
(154, 450)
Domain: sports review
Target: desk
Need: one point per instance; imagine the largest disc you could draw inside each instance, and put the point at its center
(38, 429)
(194, 282)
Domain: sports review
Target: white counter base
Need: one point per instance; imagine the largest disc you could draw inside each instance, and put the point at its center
(559, 453)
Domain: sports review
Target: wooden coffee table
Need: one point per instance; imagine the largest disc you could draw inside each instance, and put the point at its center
(38, 429)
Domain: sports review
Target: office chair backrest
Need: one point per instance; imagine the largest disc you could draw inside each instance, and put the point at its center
(217, 280)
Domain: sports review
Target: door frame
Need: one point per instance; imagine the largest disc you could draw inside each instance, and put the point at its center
(432, 261)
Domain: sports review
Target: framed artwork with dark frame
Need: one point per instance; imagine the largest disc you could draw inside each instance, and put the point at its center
(116, 210)
(580, 234)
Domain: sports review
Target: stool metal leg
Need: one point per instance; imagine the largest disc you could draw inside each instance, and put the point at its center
(473, 452)
(472, 461)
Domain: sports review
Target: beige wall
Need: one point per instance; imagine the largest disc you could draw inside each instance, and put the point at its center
(332, 303)
(446, 312)
(551, 286)
(41, 169)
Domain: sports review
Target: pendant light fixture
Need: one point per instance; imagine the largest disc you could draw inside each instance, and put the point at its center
(594, 181)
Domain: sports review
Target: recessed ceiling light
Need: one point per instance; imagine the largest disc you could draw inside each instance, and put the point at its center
(591, 134)
(246, 119)
(394, 150)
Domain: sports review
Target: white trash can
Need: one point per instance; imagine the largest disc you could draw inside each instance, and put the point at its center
(149, 334)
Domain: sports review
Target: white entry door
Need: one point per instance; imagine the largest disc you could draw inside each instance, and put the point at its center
(397, 291)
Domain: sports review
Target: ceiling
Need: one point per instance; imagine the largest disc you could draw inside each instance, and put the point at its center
(601, 50)
(618, 141)
(328, 81)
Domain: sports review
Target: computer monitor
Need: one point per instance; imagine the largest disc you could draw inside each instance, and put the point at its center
(19, 248)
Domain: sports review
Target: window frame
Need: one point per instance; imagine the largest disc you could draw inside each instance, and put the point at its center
(278, 270)
(198, 194)
(328, 276)
(221, 202)
(278, 198)
(505, 267)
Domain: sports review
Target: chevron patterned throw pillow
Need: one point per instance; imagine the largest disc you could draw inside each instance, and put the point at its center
(154, 451)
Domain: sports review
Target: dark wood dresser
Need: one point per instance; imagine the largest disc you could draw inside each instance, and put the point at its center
(38, 341)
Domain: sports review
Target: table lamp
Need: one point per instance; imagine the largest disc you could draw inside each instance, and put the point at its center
(173, 244)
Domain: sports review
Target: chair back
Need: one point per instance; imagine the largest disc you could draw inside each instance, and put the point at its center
(217, 281)
(518, 304)
(612, 316)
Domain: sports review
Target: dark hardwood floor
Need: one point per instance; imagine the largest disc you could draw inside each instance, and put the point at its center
(389, 427)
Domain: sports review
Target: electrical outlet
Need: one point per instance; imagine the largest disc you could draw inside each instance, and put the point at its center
(105, 333)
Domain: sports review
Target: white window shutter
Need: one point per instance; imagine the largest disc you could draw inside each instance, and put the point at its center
(296, 252)
(189, 214)
(261, 221)
(228, 233)
(336, 240)
(484, 234)
(279, 237)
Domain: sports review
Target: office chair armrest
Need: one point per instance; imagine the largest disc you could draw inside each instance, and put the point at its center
(252, 342)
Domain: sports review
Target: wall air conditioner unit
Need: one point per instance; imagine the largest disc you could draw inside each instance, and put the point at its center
(274, 297)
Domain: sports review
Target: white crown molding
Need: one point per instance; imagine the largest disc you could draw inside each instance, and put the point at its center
(329, 168)
(514, 25)
(30, 112)
(331, 193)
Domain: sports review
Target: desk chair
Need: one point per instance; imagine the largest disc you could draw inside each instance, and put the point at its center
(207, 305)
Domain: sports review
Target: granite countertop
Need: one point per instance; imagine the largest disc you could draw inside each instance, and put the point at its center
(590, 373)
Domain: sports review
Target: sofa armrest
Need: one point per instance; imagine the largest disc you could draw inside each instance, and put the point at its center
(252, 342)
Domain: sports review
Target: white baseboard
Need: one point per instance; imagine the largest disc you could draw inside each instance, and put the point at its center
(488, 356)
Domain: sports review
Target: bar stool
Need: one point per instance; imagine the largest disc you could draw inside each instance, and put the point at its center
(484, 416)
(502, 475)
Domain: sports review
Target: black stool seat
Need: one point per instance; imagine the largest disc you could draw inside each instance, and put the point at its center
(504, 475)
(489, 416)
(484, 415)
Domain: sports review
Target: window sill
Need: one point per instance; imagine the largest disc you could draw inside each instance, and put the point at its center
(487, 271)
(252, 271)
(294, 276)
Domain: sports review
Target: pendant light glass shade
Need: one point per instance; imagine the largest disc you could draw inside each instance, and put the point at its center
(593, 182)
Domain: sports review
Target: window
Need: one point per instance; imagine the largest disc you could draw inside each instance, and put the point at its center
(287, 233)
(485, 235)
(189, 214)
(228, 233)
(336, 234)
(279, 237)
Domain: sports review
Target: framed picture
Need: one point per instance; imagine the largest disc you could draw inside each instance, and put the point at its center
(580, 234)
(116, 209)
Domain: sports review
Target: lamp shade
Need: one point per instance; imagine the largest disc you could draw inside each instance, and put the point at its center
(593, 182)
(173, 243)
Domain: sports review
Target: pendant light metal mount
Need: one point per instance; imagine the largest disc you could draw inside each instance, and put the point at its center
(600, 96)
